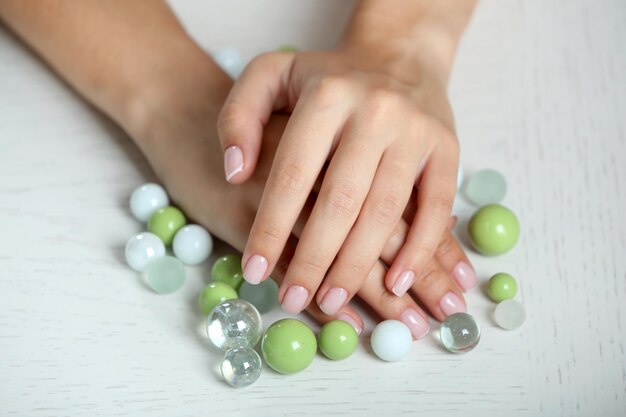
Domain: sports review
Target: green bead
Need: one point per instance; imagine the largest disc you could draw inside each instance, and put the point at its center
(165, 275)
(227, 269)
(494, 229)
(213, 294)
(501, 287)
(165, 223)
(338, 340)
(287, 48)
(289, 346)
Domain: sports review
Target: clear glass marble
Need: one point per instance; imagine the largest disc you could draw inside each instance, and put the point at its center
(510, 314)
(241, 367)
(485, 187)
(263, 296)
(459, 333)
(234, 323)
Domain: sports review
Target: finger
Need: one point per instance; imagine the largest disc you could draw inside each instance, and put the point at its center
(303, 149)
(259, 91)
(389, 193)
(338, 204)
(454, 261)
(435, 197)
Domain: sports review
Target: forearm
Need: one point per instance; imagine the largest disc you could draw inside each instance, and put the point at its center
(120, 55)
(402, 32)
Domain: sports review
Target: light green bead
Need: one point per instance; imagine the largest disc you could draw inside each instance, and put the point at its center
(165, 275)
(494, 229)
(289, 346)
(264, 296)
(213, 294)
(501, 287)
(165, 223)
(338, 340)
(287, 48)
(227, 269)
(485, 187)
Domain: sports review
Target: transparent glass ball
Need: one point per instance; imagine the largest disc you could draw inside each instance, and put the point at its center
(234, 323)
(241, 367)
(459, 333)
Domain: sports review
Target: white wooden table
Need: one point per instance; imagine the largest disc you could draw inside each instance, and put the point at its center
(540, 93)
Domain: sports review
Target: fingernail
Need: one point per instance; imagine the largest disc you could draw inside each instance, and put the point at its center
(350, 320)
(255, 269)
(403, 283)
(294, 299)
(415, 322)
(464, 275)
(233, 161)
(451, 303)
(333, 300)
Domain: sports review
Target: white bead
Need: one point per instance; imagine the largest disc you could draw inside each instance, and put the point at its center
(192, 244)
(391, 340)
(230, 60)
(510, 314)
(142, 249)
(147, 199)
(459, 178)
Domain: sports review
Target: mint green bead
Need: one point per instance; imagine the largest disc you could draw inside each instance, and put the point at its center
(289, 346)
(494, 230)
(165, 223)
(501, 287)
(213, 294)
(165, 275)
(227, 269)
(338, 340)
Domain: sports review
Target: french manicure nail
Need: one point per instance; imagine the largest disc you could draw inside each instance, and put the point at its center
(294, 300)
(350, 320)
(403, 283)
(233, 161)
(464, 275)
(255, 269)
(333, 300)
(451, 303)
(415, 322)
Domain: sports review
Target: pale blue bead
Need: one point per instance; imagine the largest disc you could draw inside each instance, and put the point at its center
(230, 60)
(459, 178)
(485, 187)
(263, 296)
(459, 333)
(241, 367)
(234, 323)
(165, 275)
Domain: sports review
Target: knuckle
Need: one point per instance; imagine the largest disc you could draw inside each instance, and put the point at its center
(341, 201)
(268, 234)
(290, 178)
(440, 204)
(397, 238)
(447, 246)
(312, 264)
(387, 208)
(428, 277)
(231, 115)
(328, 88)
(379, 103)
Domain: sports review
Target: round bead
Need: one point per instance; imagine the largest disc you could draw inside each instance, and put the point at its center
(264, 296)
(241, 367)
(214, 294)
(494, 229)
(192, 244)
(227, 269)
(509, 314)
(289, 346)
(485, 187)
(459, 178)
(230, 60)
(338, 339)
(165, 275)
(501, 287)
(459, 333)
(147, 199)
(287, 48)
(142, 249)
(165, 222)
(234, 323)
(391, 340)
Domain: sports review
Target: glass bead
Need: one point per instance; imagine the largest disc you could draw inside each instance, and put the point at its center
(494, 230)
(142, 249)
(264, 296)
(214, 294)
(459, 333)
(229, 59)
(485, 187)
(192, 244)
(166, 222)
(338, 339)
(289, 346)
(147, 199)
(165, 275)
(391, 340)
(241, 367)
(510, 314)
(501, 287)
(234, 323)
(227, 269)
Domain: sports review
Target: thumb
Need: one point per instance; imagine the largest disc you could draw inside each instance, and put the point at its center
(261, 89)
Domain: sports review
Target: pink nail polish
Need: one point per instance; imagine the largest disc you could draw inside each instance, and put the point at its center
(294, 300)
(415, 322)
(233, 161)
(350, 320)
(403, 283)
(451, 303)
(255, 269)
(333, 300)
(464, 275)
